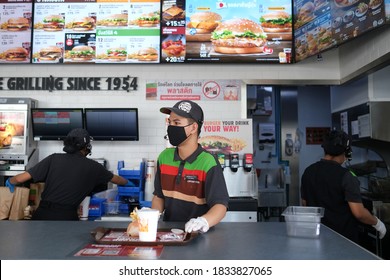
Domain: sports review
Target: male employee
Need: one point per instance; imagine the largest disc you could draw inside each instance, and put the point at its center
(328, 184)
(189, 183)
(68, 178)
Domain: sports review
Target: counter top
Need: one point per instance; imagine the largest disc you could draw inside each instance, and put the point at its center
(231, 241)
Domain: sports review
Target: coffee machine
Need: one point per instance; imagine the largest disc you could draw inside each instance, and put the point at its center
(18, 150)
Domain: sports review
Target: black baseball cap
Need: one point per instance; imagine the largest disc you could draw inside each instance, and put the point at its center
(76, 140)
(187, 109)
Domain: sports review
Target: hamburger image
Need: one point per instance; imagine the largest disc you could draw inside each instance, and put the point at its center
(50, 53)
(16, 54)
(305, 13)
(148, 20)
(53, 23)
(238, 36)
(83, 24)
(148, 54)
(276, 22)
(216, 143)
(115, 20)
(117, 54)
(173, 13)
(82, 53)
(18, 24)
(203, 23)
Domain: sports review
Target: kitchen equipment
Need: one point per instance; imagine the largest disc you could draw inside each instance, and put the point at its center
(303, 221)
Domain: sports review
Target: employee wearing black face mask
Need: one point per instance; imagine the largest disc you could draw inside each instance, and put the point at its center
(328, 184)
(189, 183)
(68, 178)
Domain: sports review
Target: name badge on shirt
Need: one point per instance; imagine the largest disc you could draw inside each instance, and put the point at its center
(192, 179)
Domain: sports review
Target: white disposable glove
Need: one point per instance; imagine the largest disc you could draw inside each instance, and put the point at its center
(381, 228)
(198, 224)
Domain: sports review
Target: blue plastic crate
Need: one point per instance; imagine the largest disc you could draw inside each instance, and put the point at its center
(96, 207)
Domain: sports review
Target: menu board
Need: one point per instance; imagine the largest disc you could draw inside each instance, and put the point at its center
(228, 31)
(15, 31)
(323, 24)
(96, 31)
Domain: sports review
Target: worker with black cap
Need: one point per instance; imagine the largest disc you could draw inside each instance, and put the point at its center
(328, 184)
(69, 177)
(189, 183)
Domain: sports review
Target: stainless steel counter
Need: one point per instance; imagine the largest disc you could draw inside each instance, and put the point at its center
(251, 241)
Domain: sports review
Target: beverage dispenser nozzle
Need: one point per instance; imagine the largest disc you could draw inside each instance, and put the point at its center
(234, 162)
(221, 159)
(247, 162)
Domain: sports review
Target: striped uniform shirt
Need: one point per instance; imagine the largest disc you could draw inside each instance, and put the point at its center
(189, 187)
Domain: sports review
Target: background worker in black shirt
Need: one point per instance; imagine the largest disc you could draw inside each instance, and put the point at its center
(69, 177)
(328, 184)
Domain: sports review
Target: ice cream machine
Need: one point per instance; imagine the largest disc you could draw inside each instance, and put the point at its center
(18, 150)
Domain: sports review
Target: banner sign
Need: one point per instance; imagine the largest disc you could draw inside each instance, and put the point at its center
(210, 90)
(69, 83)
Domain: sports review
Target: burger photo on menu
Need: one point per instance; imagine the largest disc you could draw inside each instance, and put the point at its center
(173, 48)
(114, 20)
(117, 54)
(53, 23)
(16, 54)
(50, 54)
(18, 24)
(148, 20)
(239, 36)
(277, 25)
(147, 54)
(201, 25)
(324, 38)
(221, 144)
(305, 14)
(82, 53)
(82, 24)
(173, 13)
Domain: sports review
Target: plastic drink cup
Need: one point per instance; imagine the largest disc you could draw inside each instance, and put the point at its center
(84, 208)
(147, 224)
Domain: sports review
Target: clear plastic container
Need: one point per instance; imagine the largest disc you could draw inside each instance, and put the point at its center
(303, 221)
(112, 207)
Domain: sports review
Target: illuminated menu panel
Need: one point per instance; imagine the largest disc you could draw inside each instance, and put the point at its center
(322, 24)
(226, 31)
(89, 31)
(15, 31)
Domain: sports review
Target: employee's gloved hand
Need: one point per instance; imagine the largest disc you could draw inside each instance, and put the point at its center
(381, 228)
(198, 224)
(10, 186)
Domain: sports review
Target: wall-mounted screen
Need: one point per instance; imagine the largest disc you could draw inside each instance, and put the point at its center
(96, 31)
(55, 123)
(228, 31)
(322, 24)
(15, 31)
(112, 123)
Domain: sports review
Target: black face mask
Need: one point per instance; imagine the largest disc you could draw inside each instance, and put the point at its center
(177, 134)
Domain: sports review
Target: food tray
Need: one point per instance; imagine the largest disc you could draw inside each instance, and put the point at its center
(118, 236)
(303, 221)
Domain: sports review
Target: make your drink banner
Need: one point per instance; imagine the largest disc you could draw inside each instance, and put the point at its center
(210, 90)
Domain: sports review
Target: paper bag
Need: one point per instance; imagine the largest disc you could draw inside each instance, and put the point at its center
(5, 202)
(19, 203)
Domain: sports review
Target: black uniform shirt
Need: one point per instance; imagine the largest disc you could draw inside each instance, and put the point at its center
(69, 178)
(327, 184)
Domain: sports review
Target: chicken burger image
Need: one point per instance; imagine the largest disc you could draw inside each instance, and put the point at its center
(173, 13)
(202, 23)
(53, 23)
(276, 22)
(238, 36)
(16, 54)
(148, 20)
(50, 53)
(83, 24)
(115, 20)
(148, 54)
(18, 24)
(117, 54)
(82, 53)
